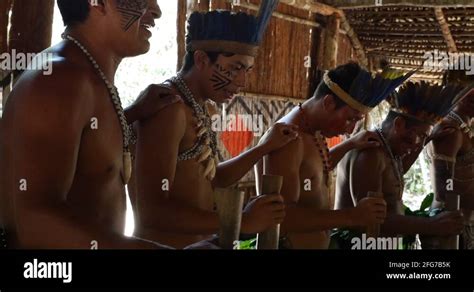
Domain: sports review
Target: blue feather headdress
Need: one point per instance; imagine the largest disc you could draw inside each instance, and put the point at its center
(228, 32)
(427, 103)
(367, 91)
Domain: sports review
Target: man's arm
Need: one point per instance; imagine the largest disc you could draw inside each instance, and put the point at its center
(229, 172)
(153, 99)
(44, 129)
(157, 156)
(362, 140)
(156, 160)
(445, 151)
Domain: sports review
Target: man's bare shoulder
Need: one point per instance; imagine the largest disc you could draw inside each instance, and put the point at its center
(371, 157)
(68, 89)
(170, 116)
(451, 140)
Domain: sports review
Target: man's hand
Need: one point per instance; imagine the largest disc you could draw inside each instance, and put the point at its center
(370, 211)
(278, 136)
(447, 223)
(262, 213)
(365, 139)
(153, 99)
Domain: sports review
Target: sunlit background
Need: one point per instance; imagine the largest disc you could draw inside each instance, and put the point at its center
(135, 74)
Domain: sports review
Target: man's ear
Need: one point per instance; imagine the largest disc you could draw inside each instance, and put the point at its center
(201, 60)
(399, 124)
(329, 103)
(100, 5)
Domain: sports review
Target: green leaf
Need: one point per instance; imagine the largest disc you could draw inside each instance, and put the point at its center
(426, 204)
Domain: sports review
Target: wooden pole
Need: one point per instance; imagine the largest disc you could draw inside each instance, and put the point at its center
(5, 8)
(315, 7)
(331, 40)
(181, 28)
(354, 39)
(453, 204)
(374, 230)
(26, 15)
(443, 23)
(279, 15)
(229, 208)
(271, 185)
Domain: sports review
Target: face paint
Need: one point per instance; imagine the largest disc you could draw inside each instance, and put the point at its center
(221, 77)
(131, 11)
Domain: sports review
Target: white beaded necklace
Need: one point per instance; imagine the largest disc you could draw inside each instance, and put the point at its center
(396, 161)
(466, 127)
(126, 131)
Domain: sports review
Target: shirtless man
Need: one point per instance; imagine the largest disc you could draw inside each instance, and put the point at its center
(175, 181)
(62, 156)
(306, 162)
(453, 157)
(404, 133)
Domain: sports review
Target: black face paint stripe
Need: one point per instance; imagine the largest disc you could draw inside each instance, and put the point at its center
(220, 77)
(131, 11)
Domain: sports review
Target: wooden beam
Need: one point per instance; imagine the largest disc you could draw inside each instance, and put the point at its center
(331, 40)
(181, 31)
(279, 15)
(443, 24)
(5, 8)
(354, 39)
(38, 15)
(315, 7)
(356, 4)
(327, 10)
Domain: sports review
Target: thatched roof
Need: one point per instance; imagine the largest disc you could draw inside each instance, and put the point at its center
(403, 31)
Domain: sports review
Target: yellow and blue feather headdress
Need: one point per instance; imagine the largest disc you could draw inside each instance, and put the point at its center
(366, 90)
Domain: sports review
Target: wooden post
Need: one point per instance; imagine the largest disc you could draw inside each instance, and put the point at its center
(5, 8)
(443, 23)
(229, 207)
(331, 40)
(27, 14)
(453, 203)
(374, 230)
(271, 185)
(181, 28)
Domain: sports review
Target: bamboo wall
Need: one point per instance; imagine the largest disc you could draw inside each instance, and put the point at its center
(287, 62)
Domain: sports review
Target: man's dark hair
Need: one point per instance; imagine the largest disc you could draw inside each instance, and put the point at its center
(188, 61)
(343, 75)
(74, 11)
(409, 122)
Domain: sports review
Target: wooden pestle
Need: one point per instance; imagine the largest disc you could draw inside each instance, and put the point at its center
(271, 185)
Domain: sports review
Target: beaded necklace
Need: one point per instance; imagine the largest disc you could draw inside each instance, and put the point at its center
(205, 149)
(126, 131)
(466, 127)
(396, 161)
(320, 143)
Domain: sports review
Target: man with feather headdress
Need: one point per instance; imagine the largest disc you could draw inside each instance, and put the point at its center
(404, 133)
(340, 101)
(453, 158)
(177, 165)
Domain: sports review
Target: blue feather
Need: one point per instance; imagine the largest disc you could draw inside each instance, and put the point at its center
(263, 19)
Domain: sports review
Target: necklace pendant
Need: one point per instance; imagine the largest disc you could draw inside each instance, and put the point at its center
(127, 167)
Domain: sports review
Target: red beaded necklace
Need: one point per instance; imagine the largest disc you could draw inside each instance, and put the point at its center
(320, 142)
